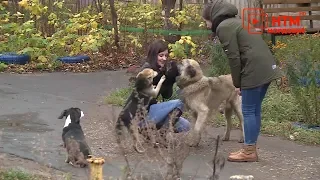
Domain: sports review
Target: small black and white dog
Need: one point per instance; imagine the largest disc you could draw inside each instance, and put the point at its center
(73, 138)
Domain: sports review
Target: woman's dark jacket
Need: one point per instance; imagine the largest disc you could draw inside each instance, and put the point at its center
(252, 63)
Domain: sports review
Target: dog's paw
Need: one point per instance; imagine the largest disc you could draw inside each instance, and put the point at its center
(76, 165)
(138, 149)
(225, 138)
(193, 143)
(83, 165)
(163, 78)
(241, 140)
(194, 139)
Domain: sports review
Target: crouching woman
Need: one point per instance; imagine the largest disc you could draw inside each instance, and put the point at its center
(159, 113)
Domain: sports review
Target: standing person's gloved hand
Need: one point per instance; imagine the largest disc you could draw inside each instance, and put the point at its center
(238, 90)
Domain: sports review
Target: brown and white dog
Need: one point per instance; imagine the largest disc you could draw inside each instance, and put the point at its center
(73, 138)
(140, 97)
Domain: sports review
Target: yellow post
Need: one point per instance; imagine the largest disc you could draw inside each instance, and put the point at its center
(96, 165)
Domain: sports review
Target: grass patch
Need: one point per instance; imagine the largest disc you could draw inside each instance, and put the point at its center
(13, 174)
(16, 174)
(279, 110)
(119, 96)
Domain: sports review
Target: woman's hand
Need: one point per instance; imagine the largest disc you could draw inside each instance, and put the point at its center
(238, 91)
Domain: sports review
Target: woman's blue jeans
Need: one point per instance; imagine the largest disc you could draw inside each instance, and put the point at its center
(158, 113)
(251, 110)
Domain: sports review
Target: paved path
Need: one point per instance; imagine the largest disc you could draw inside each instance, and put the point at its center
(31, 103)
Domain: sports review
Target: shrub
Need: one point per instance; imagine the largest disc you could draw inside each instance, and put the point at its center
(67, 37)
(304, 83)
(24, 39)
(302, 70)
(184, 48)
(76, 33)
(219, 60)
(3, 66)
(279, 107)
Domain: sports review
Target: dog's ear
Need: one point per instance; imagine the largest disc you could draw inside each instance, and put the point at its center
(63, 113)
(175, 68)
(191, 71)
(172, 69)
(80, 112)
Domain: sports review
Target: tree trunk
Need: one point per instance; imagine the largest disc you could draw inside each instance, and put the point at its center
(167, 6)
(114, 23)
(180, 9)
(98, 5)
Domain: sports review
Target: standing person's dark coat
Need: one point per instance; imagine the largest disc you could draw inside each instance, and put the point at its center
(251, 61)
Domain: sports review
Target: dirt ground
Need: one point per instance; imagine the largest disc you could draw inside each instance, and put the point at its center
(35, 100)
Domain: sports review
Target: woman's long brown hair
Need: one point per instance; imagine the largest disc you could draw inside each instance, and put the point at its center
(154, 49)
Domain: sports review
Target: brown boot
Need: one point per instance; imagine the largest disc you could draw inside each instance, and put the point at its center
(247, 154)
(236, 152)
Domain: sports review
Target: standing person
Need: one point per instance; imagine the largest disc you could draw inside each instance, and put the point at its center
(252, 65)
(159, 112)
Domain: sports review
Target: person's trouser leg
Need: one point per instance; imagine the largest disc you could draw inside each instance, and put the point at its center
(251, 109)
(182, 125)
(159, 115)
(159, 112)
(263, 93)
(250, 100)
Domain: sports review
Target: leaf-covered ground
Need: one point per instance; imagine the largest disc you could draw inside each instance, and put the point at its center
(98, 61)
